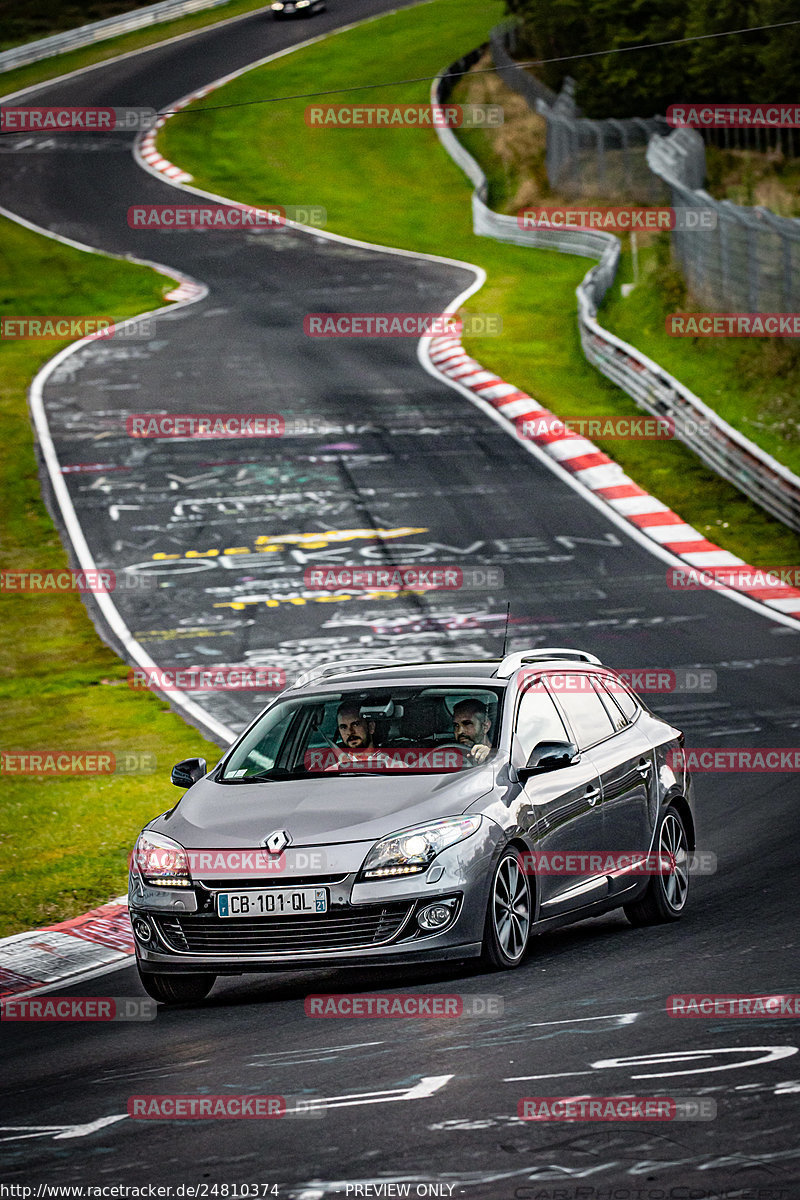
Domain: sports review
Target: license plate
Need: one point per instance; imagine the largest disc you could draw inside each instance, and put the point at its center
(273, 902)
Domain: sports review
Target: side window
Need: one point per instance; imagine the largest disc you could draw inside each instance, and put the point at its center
(585, 710)
(610, 699)
(537, 721)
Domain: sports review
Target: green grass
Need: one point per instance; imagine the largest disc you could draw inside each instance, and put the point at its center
(397, 187)
(64, 841)
(752, 384)
(60, 64)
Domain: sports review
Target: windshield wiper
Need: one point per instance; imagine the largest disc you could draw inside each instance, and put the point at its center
(265, 777)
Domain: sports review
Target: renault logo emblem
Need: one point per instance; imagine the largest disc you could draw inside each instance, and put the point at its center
(277, 841)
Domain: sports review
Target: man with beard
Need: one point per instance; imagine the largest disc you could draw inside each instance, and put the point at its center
(356, 732)
(471, 724)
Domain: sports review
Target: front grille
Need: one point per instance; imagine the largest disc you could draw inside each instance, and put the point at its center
(349, 928)
(207, 883)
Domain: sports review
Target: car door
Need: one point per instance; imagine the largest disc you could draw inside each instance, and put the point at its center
(564, 803)
(625, 765)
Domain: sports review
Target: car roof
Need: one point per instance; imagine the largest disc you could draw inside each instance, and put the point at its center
(458, 674)
(497, 672)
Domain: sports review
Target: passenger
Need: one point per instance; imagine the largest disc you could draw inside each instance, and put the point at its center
(471, 725)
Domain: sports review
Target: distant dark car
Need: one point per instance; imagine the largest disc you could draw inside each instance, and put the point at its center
(296, 8)
(378, 814)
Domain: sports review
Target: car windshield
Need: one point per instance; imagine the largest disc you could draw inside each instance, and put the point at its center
(370, 731)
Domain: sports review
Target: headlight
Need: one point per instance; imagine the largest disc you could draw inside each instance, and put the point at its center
(411, 851)
(161, 862)
(303, 3)
(276, 7)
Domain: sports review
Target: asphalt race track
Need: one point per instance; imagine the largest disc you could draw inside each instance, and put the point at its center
(428, 1101)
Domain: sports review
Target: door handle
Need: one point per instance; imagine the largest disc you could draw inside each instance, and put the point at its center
(592, 795)
(644, 767)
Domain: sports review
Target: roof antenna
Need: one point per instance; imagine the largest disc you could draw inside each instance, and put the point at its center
(505, 635)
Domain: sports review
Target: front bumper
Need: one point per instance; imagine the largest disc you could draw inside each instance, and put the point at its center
(370, 922)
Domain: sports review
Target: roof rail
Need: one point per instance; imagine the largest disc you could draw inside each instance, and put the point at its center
(339, 668)
(512, 662)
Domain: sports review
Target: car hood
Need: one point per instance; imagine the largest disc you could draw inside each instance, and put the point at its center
(316, 812)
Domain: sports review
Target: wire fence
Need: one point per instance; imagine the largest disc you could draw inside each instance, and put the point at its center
(584, 157)
(733, 456)
(750, 260)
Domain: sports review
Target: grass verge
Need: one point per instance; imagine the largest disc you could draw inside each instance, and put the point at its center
(397, 187)
(754, 384)
(64, 841)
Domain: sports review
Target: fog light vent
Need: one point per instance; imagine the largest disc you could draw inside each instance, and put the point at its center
(142, 929)
(436, 916)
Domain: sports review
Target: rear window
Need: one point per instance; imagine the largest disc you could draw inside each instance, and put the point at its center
(585, 711)
(625, 699)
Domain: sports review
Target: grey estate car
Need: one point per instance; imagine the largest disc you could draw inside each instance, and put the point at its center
(385, 813)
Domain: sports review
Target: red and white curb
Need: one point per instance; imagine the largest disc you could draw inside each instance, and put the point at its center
(603, 476)
(575, 454)
(62, 954)
(150, 155)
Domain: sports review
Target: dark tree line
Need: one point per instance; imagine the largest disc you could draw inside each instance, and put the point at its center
(752, 67)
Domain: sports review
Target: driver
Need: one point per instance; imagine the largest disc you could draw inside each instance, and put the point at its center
(358, 737)
(471, 725)
(355, 731)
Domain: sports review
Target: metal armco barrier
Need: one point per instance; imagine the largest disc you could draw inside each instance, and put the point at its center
(757, 474)
(98, 31)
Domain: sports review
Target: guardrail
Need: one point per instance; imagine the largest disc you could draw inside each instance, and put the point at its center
(99, 31)
(733, 456)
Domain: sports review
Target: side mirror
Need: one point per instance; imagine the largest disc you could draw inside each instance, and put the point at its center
(185, 773)
(549, 756)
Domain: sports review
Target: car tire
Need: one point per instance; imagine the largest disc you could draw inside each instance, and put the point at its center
(508, 915)
(666, 895)
(176, 989)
